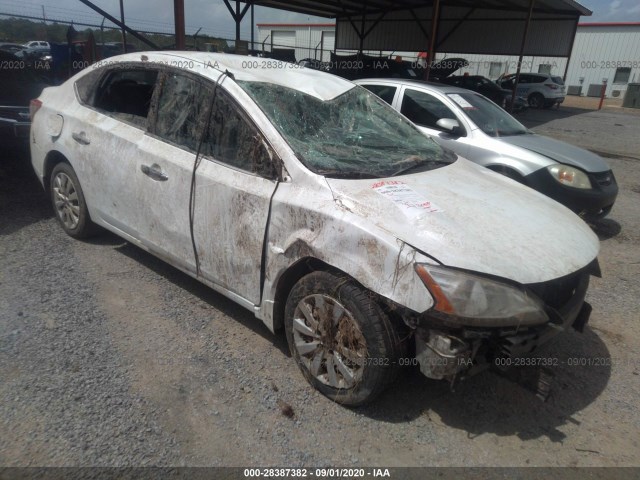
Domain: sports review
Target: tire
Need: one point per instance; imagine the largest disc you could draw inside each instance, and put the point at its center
(352, 318)
(536, 100)
(68, 202)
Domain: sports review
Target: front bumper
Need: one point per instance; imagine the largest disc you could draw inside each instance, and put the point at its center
(595, 202)
(444, 352)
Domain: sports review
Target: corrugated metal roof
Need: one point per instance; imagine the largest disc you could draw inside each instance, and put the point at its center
(337, 8)
(470, 26)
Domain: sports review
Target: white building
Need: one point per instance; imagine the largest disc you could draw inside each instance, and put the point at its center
(601, 51)
(309, 40)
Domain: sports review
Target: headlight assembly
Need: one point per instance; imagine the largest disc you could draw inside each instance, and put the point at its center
(480, 301)
(569, 176)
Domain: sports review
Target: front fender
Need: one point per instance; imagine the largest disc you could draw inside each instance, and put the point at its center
(323, 230)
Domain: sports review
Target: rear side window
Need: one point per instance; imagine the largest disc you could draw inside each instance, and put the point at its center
(86, 86)
(558, 80)
(126, 94)
(385, 92)
(180, 107)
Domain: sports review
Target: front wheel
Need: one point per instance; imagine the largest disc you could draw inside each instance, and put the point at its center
(343, 342)
(68, 202)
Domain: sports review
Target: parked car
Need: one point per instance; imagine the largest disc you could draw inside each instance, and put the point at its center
(37, 44)
(475, 128)
(18, 85)
(541, 90)
(312, 203)
(489, 89)
(35, 54)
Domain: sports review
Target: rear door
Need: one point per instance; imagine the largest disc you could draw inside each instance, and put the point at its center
(213, 222)
(107, 128)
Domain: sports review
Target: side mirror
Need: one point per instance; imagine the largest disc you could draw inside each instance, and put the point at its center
(450, 125)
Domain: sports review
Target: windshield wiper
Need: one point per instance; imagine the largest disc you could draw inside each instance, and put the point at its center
(421, 164)
(347, 174)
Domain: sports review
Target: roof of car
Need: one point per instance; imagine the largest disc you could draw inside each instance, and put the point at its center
(440, 87)
(312, 82)
(535, 74)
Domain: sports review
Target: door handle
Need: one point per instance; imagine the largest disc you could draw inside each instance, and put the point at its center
(154, 171)
(81, 138)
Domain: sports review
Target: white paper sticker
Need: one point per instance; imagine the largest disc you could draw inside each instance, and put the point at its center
(460, 101)
(408, 199)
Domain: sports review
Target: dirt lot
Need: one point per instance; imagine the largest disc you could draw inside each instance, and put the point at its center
(110, 357)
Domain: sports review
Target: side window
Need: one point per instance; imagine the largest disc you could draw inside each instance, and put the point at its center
(180, 107)
(233, 139)
(424, 109)
(385, 92)
(87, 85)
(126, 94)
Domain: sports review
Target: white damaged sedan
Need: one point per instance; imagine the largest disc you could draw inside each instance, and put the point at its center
(313, 203)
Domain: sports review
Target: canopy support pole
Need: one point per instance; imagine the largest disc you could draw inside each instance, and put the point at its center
(522, 45)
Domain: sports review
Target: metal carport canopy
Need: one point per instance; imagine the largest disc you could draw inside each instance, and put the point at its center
(463, 26)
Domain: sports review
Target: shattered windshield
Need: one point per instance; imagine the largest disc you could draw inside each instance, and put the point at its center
(355, 135)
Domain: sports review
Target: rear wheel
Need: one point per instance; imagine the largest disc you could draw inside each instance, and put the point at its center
(536, 100)
(68, 202)
(342, 341)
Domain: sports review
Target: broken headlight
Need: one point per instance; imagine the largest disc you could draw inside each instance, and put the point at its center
(474, 300)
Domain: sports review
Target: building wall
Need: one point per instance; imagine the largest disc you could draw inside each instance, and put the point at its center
(598, 51)
(311, 41)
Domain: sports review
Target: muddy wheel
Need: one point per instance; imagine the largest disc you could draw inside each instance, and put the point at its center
(340, 338)
(536, 100)
(68, 202)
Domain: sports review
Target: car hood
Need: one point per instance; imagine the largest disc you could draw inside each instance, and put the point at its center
(560, 152)
(468, 217)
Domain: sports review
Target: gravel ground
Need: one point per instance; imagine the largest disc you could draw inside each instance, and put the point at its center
(110, 357)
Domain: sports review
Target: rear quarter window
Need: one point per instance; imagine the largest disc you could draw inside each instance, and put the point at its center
(86, 86)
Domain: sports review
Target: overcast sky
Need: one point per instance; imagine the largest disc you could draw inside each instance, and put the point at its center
(214, 18)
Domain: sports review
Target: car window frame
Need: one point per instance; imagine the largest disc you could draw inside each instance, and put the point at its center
(464, 127)
(208, 82)
(108, 70)
(152, 119)
(383, 84)
(276, 163)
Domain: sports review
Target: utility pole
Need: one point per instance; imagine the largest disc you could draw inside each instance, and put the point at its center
(124, 32)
